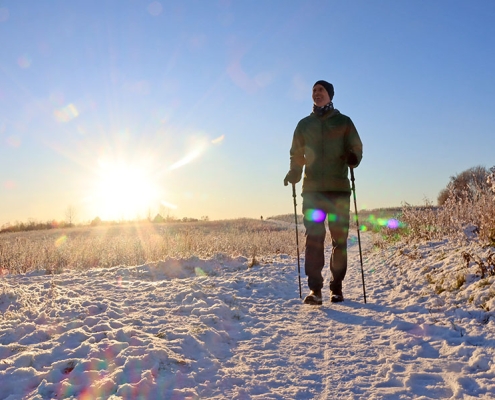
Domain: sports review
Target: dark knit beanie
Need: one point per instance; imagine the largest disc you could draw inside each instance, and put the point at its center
(328, 87)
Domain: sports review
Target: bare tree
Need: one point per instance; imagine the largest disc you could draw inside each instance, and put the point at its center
(70, 215)
(469, 184)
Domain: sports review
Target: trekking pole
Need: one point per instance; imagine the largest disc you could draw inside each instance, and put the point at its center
(358, 235)
(297, 239)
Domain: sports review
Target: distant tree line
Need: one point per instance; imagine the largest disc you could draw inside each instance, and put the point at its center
(159, 219)
(33, 225)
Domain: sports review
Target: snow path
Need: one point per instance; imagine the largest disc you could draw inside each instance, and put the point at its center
(353, 350)
(216, 329)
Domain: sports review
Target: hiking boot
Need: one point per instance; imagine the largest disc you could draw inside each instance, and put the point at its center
(337, 297)
(314, 297)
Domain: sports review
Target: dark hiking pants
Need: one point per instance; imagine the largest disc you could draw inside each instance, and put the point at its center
(318, 207)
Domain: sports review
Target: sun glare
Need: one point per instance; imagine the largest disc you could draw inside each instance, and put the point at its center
(123, 191)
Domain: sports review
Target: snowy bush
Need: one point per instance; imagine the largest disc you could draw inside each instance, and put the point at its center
(459, 217)
(463, 228)
(491, 179)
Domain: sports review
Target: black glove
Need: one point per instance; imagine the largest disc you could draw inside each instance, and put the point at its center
(292, 177)
(351, 159)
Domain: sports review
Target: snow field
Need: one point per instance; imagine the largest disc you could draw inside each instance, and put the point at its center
(218, 329)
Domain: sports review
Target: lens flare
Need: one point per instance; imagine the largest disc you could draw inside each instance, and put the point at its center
(24, 61)
(218, 140)
(4, 14)
(60, 241)
(168, 205)
(155, 8)
(392, 223)
(314, 215)
(66, 114)
(198, 146)
(14, 141)
(9, 185)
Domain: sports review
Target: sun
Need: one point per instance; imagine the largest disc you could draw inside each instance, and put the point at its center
(123, 191)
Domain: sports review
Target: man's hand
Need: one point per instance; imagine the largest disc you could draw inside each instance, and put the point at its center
(292, 177)
(351, 159)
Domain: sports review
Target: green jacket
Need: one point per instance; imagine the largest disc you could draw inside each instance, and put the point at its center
(322, 144)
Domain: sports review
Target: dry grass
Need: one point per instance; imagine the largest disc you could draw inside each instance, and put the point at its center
(90, 247)
(467, 223)
(105, 246)
(460, 216)
(456, 218)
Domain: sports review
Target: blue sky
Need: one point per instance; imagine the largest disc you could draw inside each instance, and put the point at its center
(120, 108)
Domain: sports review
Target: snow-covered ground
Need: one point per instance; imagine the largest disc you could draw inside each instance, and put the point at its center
(217, 329)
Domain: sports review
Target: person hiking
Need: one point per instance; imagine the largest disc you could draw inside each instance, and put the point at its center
(326, 144)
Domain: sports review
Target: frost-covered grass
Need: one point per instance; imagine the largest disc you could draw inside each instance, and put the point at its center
(454, 216)
(453, 246)
(133, 244)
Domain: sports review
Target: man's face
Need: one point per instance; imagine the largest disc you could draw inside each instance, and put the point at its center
(320, 96)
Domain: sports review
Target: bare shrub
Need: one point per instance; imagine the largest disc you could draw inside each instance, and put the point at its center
(422, 222)
(467, 185)
(486, 266)
(458, 213)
